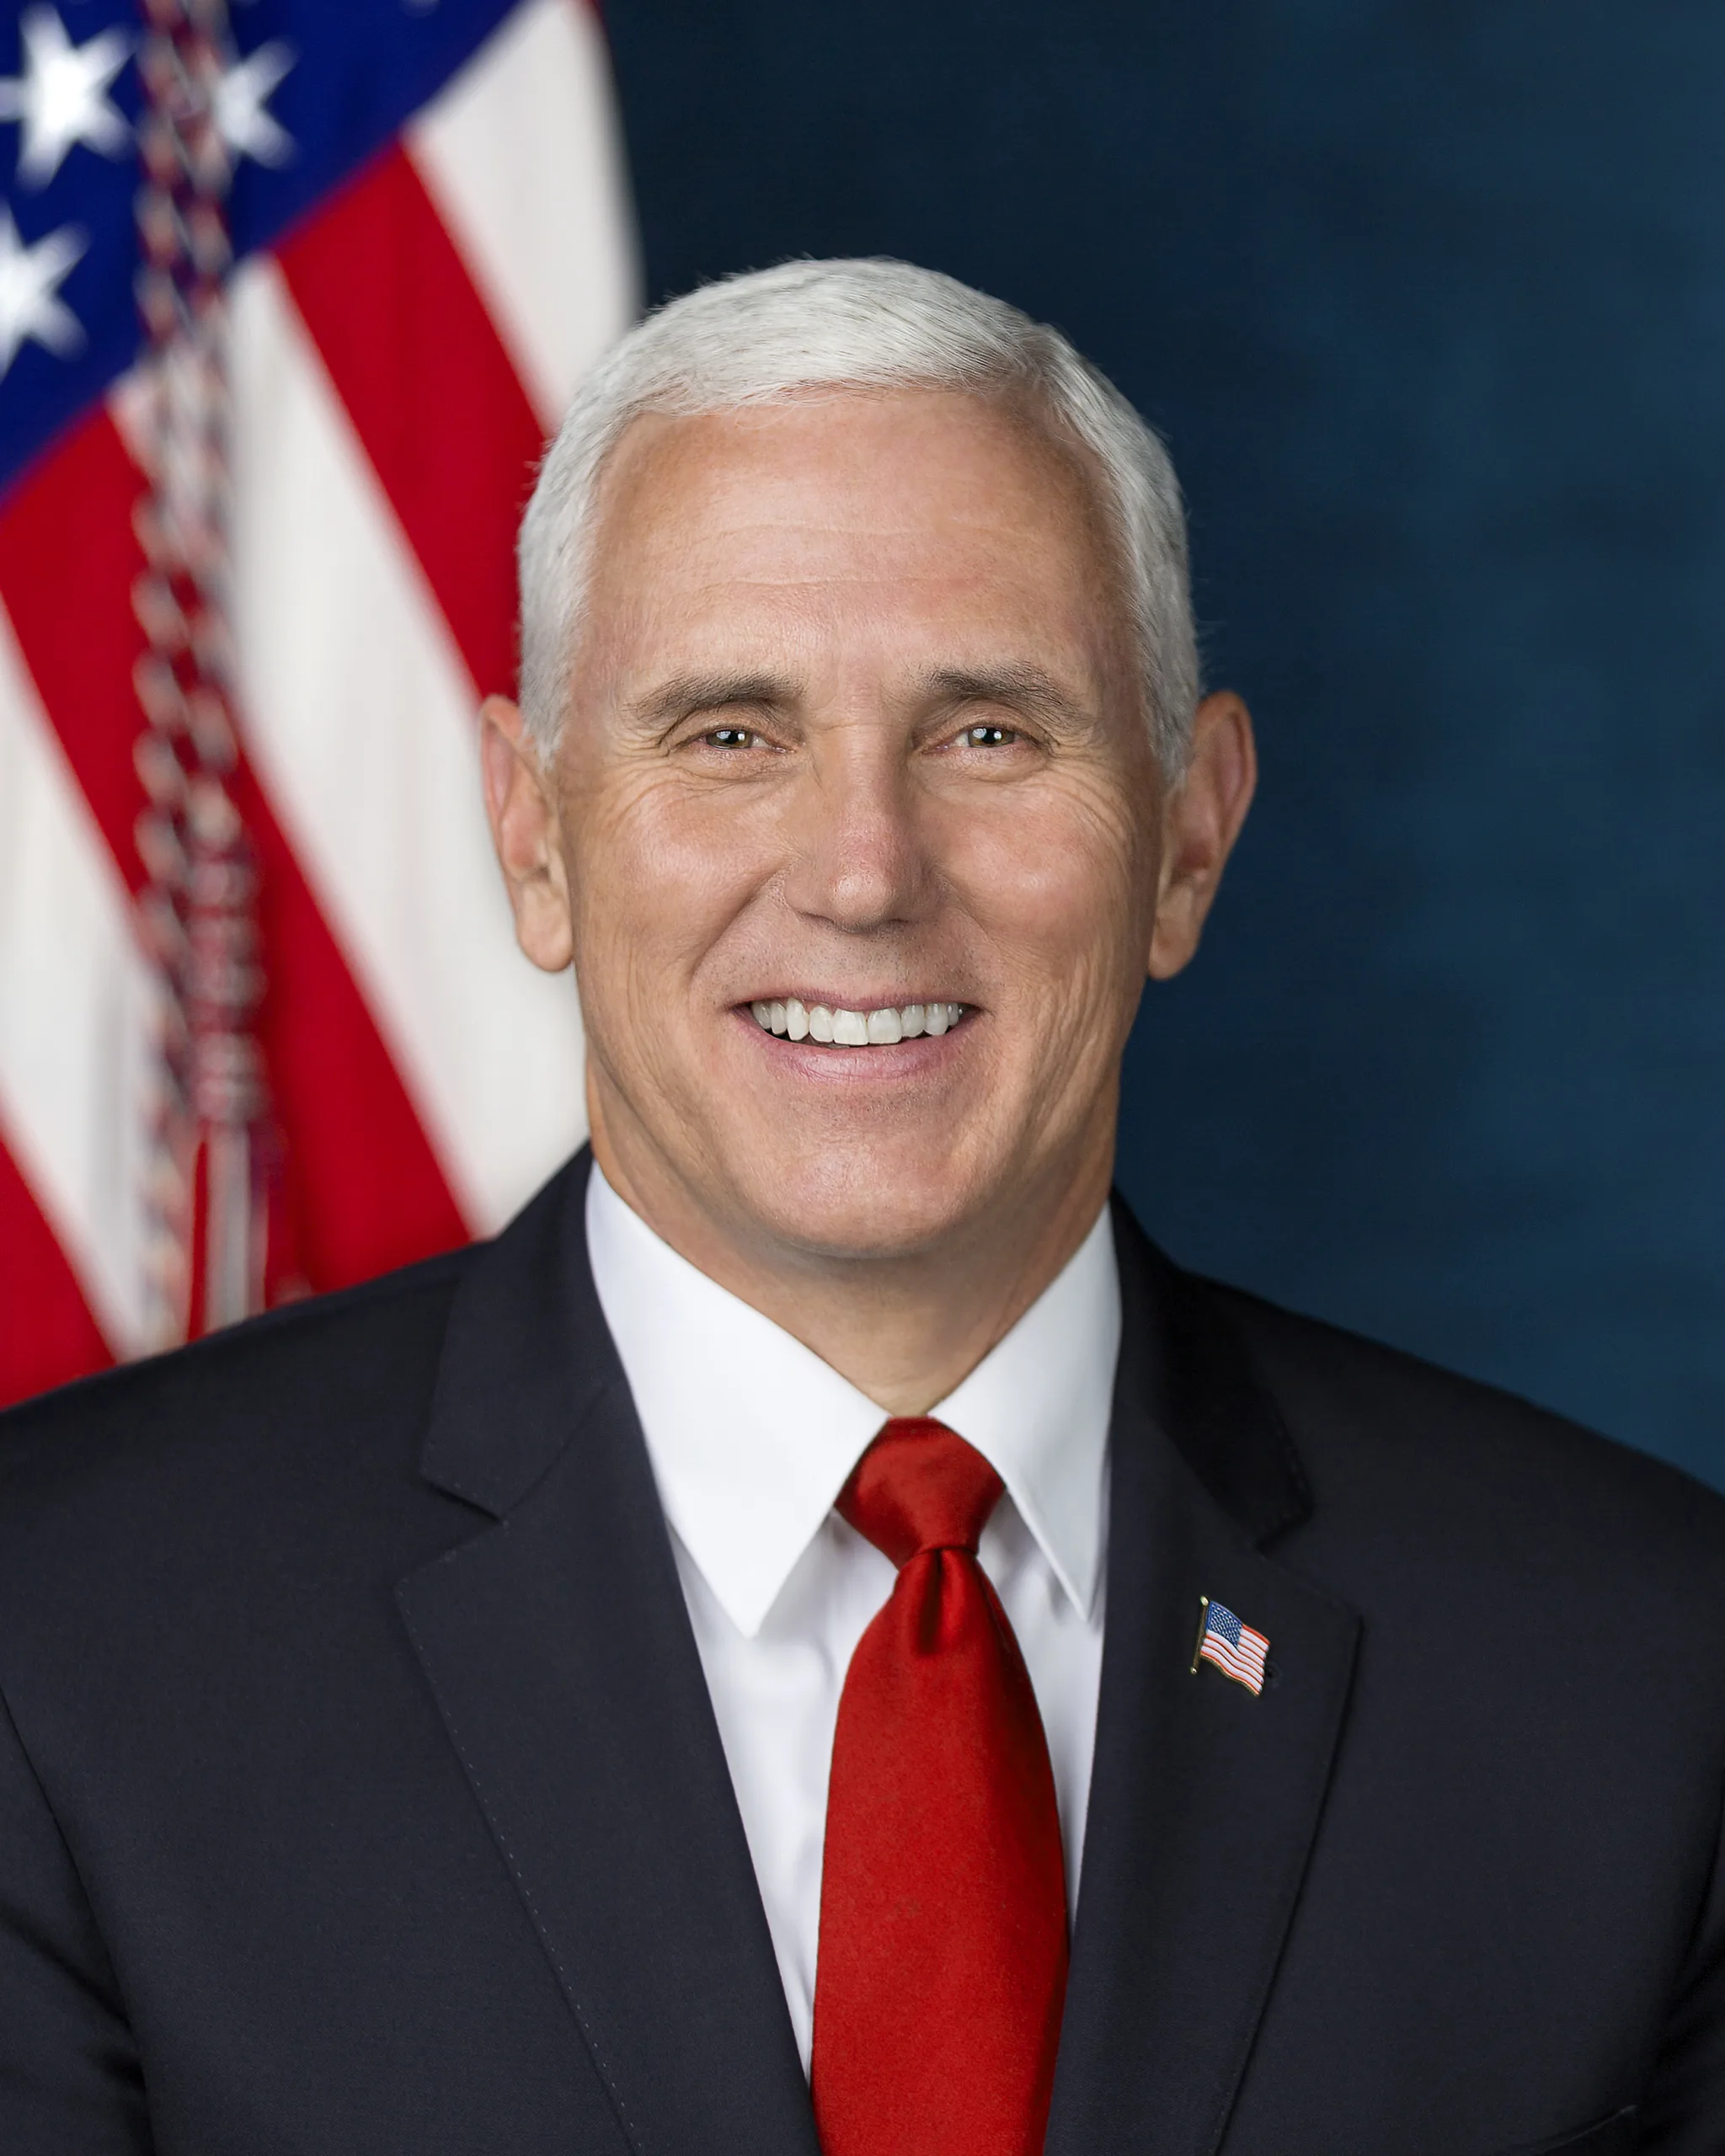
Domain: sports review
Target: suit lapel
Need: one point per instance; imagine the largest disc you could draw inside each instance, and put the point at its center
(1204, 1799)
(557, 1644)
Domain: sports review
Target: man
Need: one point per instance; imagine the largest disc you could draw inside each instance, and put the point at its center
(820, 1637)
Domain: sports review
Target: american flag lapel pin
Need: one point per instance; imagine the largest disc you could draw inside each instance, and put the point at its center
(1236, 1649)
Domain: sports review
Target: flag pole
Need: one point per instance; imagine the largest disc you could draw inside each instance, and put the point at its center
(1203, 1627)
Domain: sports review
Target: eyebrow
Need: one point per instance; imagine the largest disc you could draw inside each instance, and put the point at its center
(673, 701)
(1019, 685)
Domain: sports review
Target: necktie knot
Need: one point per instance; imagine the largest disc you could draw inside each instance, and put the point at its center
(919, 1487)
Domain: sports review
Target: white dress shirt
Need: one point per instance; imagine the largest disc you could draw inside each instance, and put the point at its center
(752, 1437)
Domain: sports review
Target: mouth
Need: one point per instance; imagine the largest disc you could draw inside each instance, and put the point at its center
(836, 1027)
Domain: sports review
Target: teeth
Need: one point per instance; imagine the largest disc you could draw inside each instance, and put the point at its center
(880, 1028)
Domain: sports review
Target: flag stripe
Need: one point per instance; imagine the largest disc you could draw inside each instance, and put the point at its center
(364, 734)
(49, 1333)
(430, 391)
(68, 560)
(521, 154)
(75, 1004)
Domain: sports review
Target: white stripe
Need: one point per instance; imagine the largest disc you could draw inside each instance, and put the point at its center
(522, 155)
(76, 1037)
(360, 718)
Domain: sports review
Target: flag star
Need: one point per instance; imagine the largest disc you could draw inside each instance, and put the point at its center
(31, 307)
(62, 97)
(241, 95)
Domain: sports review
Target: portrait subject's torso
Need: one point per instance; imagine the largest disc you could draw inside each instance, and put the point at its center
(820, 1639)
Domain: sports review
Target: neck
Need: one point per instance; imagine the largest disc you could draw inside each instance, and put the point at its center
(905, 1330)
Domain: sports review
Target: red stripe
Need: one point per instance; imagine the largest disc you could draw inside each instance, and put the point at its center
(432, 393)
(67, 559)
(49, 1334)
(363, 1186)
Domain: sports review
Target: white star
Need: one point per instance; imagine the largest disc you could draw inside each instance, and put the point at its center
(241, 94)
(62, 97)
(30, 308)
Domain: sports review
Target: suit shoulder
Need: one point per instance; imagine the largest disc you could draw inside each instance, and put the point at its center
(1386, 1437)
(303, 1377)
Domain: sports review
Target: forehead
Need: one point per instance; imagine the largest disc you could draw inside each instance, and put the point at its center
(835, 503)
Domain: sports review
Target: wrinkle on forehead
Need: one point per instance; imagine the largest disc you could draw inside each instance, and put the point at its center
(910, 497)
(747, 470)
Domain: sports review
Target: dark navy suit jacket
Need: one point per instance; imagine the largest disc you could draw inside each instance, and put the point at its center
(360, 1791)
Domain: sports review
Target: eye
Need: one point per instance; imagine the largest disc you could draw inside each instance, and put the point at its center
(731, 737)
(987, 735)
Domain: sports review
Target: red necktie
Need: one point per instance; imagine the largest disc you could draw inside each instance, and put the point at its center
(942, 1965)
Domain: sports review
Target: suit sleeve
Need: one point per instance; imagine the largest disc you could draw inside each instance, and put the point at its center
(69, 2073)
(1684, 2114)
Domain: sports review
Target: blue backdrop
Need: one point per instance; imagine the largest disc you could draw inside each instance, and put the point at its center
(1428, 298)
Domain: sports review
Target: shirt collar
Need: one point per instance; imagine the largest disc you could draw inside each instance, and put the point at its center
(752, 1437)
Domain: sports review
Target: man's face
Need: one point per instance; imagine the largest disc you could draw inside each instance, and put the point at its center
(853, 727)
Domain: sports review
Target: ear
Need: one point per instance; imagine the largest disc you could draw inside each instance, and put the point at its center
(1201, 819)
(522, 812)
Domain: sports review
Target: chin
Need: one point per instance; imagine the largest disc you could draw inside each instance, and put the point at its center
(853, 1204)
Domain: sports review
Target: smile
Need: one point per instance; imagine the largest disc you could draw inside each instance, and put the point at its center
(881, 1029)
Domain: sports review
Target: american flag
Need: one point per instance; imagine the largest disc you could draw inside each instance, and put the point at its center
(290, 294)
(1234, 1648)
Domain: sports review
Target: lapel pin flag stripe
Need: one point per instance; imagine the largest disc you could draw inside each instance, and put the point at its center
(1233, 1646)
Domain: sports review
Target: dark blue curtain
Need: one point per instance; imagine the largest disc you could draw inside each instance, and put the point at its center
(1428, 298)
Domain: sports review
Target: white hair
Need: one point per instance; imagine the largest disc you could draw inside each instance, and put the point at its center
(869, 325)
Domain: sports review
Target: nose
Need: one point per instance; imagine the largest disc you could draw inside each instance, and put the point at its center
(860, 862)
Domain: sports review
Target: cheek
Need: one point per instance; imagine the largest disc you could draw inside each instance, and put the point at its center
(1065, 888)
(657, 872)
